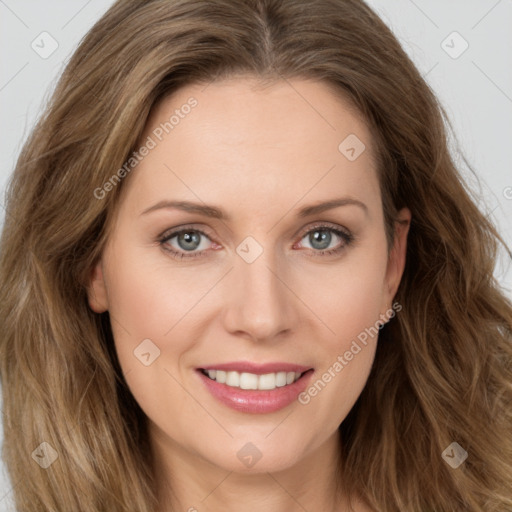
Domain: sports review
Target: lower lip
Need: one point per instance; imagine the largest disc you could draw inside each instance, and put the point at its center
(256, 401)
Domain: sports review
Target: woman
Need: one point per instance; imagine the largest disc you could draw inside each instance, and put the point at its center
(239, 267)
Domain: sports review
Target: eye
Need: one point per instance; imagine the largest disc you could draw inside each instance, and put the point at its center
(188, 240)
(322, 236)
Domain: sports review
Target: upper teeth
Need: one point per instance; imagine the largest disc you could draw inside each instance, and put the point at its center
(245, 380)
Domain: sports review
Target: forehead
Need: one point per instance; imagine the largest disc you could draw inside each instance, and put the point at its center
(246, 110)
(244, 140)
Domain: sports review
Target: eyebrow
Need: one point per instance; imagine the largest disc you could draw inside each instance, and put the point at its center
(217, 213)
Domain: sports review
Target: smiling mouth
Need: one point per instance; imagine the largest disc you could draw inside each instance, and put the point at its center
(252, 381)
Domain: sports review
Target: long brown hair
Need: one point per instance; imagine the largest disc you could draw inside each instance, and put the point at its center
(443, 368)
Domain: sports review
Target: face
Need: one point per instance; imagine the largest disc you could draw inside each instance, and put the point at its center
(247, 262)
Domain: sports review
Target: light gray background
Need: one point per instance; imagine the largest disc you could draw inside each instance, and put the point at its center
(475, 88)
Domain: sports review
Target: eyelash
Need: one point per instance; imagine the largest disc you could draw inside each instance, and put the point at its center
(347, 238)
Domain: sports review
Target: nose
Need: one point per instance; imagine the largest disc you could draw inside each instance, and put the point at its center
(260, 305)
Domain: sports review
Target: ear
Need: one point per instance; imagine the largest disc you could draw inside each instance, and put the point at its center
(397, 256)
(97, 290)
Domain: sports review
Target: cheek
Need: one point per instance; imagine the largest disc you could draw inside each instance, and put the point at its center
(152, 299)
(146, 296)
(145, 303)
(349, 303)
(347, 297)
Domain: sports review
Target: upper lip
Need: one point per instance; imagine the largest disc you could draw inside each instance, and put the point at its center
(257, 368)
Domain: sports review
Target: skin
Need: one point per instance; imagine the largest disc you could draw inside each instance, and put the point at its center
(260, 154)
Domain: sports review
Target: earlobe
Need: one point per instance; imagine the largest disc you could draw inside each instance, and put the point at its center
(397, 255)
(96, 290)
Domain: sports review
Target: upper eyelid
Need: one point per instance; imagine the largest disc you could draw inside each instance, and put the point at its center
(327, 225)
(171, 233)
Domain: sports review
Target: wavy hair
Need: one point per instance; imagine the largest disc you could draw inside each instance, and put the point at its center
(443, 367)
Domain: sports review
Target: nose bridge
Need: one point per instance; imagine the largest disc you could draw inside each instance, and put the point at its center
(260, 303)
